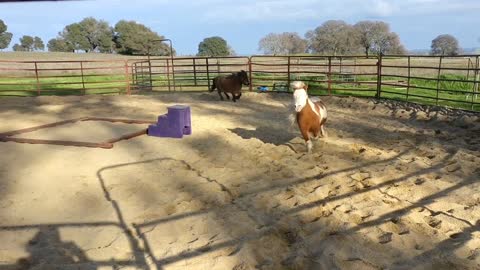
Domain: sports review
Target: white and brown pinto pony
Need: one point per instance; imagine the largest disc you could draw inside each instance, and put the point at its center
(310, 115)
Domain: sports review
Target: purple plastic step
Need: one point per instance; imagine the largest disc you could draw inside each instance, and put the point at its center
(174, 124)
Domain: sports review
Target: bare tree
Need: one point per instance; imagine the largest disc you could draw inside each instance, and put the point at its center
(333, 37)
(284, 43)
(389, 44)
(293, 43)
(445, 45)
(375, 37)
(270, 44)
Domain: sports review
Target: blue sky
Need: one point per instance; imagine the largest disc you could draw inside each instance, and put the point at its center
(243, 23)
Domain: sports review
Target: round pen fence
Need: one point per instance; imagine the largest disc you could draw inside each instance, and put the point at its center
(325, 75)
(435, 80)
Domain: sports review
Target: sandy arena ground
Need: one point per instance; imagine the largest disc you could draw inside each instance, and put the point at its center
(390, 188)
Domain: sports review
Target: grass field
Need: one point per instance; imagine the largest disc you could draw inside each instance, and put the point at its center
(63, 85)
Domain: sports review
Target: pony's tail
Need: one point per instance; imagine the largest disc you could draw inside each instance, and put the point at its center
(213, 86)
(292, 118)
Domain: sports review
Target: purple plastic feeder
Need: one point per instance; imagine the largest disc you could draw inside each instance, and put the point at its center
(174, 124)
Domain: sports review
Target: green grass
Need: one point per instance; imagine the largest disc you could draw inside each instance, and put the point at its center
(450, 93)
(62, 85)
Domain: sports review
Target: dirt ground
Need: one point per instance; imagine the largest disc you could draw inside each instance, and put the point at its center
(392, 187)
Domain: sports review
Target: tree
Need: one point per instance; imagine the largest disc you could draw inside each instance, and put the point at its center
(59, 45)
(98, 35)
(134, 38)
(333, 37)
(374, 36)
(389, 44)
(214, 46)
(284, 43)
(38, 44)
(5, 37)
(18, 48)
(445, 45)
(26, 44)
(270, 44)
(88, 35)
(73, 35)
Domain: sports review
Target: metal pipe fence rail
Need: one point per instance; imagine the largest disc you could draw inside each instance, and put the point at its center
(434, 80)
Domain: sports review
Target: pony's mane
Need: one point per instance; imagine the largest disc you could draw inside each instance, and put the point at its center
(298, 85)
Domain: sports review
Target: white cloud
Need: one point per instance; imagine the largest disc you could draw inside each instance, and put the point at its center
(250, 10)
(262, 10)
(383, 7)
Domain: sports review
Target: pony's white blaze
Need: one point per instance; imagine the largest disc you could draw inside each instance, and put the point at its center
(300, 98)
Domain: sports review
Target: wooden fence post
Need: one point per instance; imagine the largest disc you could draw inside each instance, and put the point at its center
(329, 76)
(250, 73)
(194, 72)
(83, 79)
(173, 74)
(150, 73)
(168, 75)
(127, 81)
(208, 74)
(468, 68)
(341, 66)
(476, 81)
(408, 80)
(288, 73)
(37, 79)
(134, 73)
(438, 78)
(379, 77)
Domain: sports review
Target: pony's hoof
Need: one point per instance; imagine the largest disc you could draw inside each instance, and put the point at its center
(309, 147)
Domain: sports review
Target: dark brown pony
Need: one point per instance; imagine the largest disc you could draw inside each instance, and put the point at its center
(231, 84)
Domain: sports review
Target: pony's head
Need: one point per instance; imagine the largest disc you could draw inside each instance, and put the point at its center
(243, 77)
(300, 95)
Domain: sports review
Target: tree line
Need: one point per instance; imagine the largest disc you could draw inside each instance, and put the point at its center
(336, 37)
(92, 35)
(333, 37)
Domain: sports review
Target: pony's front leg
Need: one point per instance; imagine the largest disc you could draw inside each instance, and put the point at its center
(309, 146)
(235, 97)
(220, 94)
(306, 137)
(228, 97)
